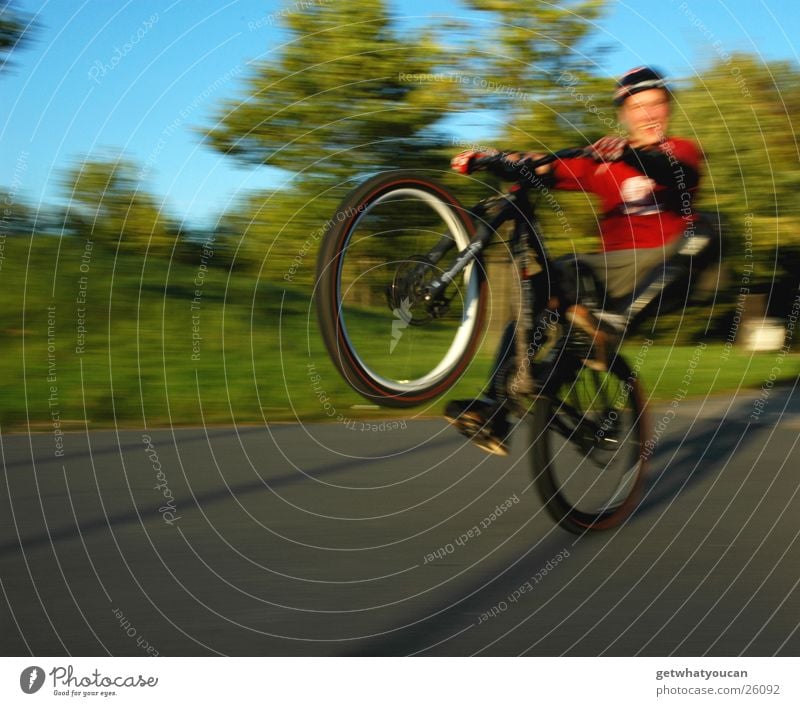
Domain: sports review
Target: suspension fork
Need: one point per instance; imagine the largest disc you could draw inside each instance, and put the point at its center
(445, 245)
(434, 291)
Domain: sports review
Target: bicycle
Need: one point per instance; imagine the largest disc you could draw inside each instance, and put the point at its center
(383, 267)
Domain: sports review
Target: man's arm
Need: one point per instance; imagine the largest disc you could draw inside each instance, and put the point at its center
(664, 166)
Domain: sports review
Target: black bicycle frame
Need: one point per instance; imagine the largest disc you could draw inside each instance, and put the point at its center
(526, 244)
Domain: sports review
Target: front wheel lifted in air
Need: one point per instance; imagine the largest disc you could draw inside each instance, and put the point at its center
(392, 341)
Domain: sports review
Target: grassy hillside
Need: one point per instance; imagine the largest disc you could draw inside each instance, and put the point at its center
(122, 339)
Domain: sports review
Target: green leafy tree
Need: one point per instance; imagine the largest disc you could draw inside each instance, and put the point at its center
(537, 40)
(346, 94)
(350, 93)
(108, 203)
(16, 216)
(743, 112)
(548, 56)
(536, 50)
(15, 29)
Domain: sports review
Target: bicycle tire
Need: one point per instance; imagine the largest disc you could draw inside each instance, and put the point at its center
(565, 474)
(354, 350)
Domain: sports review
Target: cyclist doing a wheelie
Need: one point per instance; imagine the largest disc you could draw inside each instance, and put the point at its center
(646, 182)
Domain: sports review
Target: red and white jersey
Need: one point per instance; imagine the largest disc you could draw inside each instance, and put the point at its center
(638, 211)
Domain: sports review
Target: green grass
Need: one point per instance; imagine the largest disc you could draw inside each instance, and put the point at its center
(252, 364)
(697, 371)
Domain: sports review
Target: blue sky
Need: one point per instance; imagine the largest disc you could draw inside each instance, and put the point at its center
(78, 91)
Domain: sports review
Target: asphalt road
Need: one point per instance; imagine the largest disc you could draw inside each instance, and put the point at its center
(330, 540)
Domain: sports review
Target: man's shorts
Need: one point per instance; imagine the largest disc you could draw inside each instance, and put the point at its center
(621, 272)
(614, 279)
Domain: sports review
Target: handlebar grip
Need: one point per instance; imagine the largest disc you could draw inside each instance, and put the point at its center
(479, 163)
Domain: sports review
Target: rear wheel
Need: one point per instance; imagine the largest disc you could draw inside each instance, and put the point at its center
(587, 450)
(392, 236)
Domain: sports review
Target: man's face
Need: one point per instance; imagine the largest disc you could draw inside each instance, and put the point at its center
(646, 117)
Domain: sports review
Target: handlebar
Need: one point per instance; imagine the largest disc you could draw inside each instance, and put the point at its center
(501, 158)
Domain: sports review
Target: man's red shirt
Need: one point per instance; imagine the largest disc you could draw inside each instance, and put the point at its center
(638, 212)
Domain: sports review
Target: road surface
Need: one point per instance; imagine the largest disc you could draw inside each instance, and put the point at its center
(325, 539)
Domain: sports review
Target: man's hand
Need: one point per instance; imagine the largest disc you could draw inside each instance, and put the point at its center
(608, 149)
(462, 162)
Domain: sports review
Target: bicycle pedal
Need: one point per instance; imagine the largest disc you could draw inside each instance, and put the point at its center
(467, 423)
(489, 443)
(469, 427)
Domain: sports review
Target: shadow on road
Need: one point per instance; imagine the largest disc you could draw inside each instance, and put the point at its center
(707, 445)
(680, 461)
(135, 514)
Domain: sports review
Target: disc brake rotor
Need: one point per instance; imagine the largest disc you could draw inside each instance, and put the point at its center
(405, 294)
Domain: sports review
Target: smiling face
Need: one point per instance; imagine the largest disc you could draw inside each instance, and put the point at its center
(646, 117)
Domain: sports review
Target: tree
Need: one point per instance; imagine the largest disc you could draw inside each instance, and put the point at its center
(541, 65)
(15, 31)
(106, 198)
(15, 216)
(536, 51)
(350, 94)
(743, 112)
(346, 95)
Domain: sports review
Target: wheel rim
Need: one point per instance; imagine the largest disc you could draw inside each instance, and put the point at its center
(594, 445)
(389, 345)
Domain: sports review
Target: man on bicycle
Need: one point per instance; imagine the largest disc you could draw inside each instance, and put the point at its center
(646, 182)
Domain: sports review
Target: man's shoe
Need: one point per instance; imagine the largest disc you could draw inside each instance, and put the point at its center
(484, 423)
